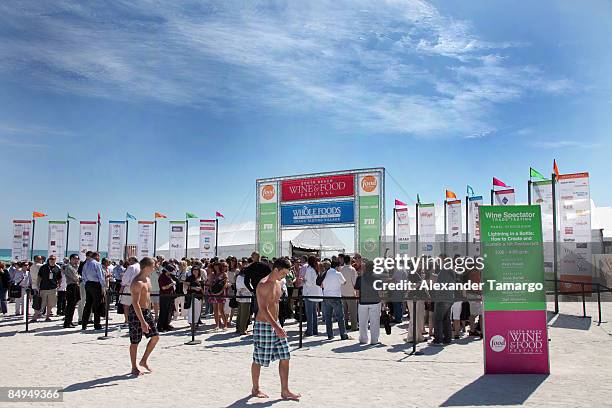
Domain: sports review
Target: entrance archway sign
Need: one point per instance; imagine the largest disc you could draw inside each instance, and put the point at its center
(341, 199)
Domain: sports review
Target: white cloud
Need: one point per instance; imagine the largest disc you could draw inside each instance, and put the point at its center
(395, 66)
(556, 144)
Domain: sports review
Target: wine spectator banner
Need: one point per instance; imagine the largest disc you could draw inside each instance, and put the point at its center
(515, 336)
(575, 229)
(427, 229)
(504, 197)
(402, 230)
(474, 223)
(313, 188)
(57, 239)
(177, 239)
(116, 239)
(207, 238)
(146, 229)
(369, 226)
(267, 219)
(87, 237)
(318, 213)
(20, 250)
(541, 194)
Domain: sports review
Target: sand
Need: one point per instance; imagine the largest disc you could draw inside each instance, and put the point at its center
(216, 373)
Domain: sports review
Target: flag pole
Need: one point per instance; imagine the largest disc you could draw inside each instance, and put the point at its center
(445, 201)
(154, 237)
(127, 229)
(492, 192)
(417, 229)
(98, 235)
(529, 183)
(216, 234)
(186, 235)
(467, 224)
(554, 209)
(32, 247)
(67, 236)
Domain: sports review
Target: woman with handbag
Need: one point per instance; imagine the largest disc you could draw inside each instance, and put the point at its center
(218, 287)
(244, 304)
(21, 280)
(193, 287)
(312, 289)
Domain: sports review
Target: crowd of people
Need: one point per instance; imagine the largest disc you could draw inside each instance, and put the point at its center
(337, 290)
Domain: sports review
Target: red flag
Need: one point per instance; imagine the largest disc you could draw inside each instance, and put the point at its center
(497, 182)
(36, 214)
(399, 203)
(218, 214)
(450, 194)
(555, 168)
(98, 217)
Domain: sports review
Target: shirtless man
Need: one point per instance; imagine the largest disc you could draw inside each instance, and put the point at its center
(269, 338)
(139, 315)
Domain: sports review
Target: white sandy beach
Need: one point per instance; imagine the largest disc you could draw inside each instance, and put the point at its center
(216, 373)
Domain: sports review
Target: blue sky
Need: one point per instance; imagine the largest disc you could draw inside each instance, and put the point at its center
(179, 106)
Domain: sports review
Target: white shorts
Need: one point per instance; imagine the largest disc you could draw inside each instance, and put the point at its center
(456, 311)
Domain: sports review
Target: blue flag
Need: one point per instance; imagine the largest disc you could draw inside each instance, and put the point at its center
(129, 216)
(470, 191)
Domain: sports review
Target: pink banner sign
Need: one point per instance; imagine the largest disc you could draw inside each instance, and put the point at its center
(516, 342)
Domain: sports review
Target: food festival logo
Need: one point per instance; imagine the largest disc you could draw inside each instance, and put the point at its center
(341, 185)
(267, 192)
(368, 184)
(497, 343)
(525, 341)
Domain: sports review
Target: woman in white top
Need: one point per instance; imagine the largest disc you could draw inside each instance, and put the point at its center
(21, 279)
(312, 289)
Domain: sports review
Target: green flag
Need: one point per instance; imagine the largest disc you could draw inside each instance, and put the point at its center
(536, 174)
(70, 217)
(190, 215)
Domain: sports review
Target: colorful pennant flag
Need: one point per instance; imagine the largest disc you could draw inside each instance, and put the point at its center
(160, 215)
(450, 194)
(555, 168)
(70, 217)
(399, 203)
(497, 182)
(533, 173)
(470, 191)
(218, 214)
(129, 216)
(98, 217)
(190, 215)
(36, 214)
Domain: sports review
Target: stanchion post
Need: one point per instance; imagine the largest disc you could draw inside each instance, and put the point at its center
(413, 318)
(193, 341)
(27, 310)
(301, 302)
(106, 306)
(583, 302)
(598, 305)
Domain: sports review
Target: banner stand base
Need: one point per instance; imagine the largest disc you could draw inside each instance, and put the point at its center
(193, 342)
(104, 337)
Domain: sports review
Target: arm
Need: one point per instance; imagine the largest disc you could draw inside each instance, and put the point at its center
(100, 275)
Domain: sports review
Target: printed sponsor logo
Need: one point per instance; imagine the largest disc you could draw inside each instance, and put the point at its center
(368, 184)
(267, 192)
(497, 343)
(267, 248)
(525, 341)
(177, 229)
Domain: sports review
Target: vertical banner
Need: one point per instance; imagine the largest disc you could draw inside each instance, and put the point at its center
(145, 238)
(207, 238)
(57, 239)
(87, 237)
(267, 219)
(474, 227)
(453, 228)
(575, 230)
(116, 239)
(369, 227)
(541, 194)
(177, 239)
(20, 250)
(427, 229)
(402, 230)
(504, 197)
(515, 330)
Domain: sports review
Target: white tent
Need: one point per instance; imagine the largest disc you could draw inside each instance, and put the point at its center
(239, 240)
